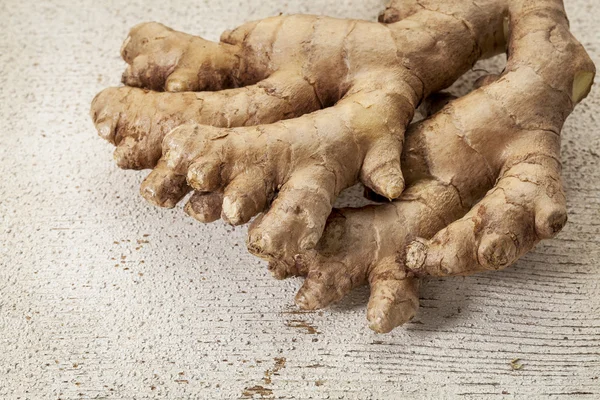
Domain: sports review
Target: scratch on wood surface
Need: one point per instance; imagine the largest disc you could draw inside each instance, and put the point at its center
(301, 324)
(279, 364)
(516, 364)
(263, 392)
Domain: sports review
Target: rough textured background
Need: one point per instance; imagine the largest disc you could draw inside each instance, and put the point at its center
(103, 296)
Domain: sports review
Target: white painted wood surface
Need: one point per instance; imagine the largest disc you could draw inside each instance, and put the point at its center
(103, 296)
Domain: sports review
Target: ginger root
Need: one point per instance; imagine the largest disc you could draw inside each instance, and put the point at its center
(361, 80)
(303, 107)
(504, 136)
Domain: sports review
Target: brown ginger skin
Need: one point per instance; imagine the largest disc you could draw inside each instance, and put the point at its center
(527, 203)
(503, 139)
(501, 134)
(372, 75)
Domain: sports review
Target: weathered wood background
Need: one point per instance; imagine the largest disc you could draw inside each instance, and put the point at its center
(103, 296)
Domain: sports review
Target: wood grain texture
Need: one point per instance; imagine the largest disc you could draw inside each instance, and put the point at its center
(104, 297)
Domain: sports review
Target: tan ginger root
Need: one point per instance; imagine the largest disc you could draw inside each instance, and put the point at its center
(371, 76)
(506, 133)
